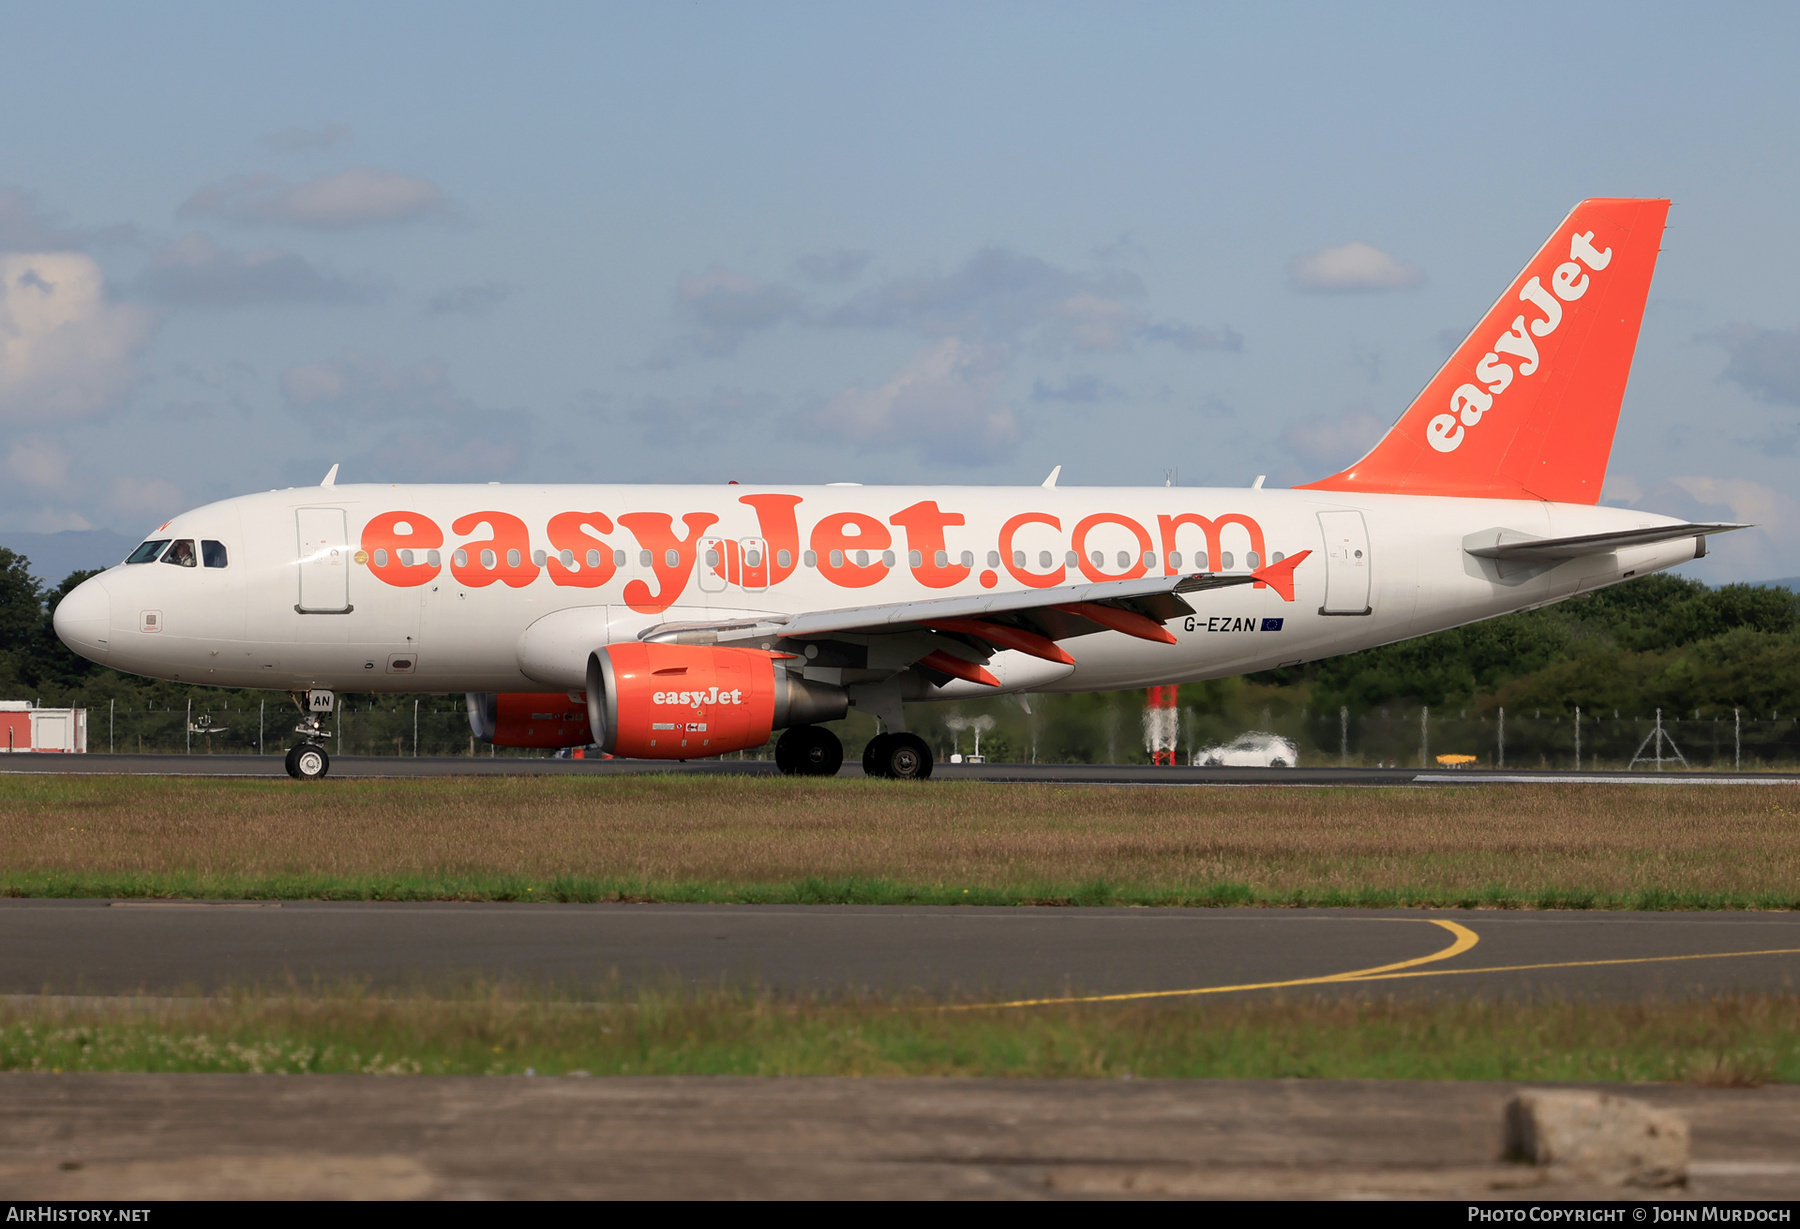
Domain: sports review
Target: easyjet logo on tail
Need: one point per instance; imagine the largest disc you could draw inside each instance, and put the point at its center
(1470, 402)
(1527, 406)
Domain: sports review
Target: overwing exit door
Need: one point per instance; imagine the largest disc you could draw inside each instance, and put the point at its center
(753, 565)
(714, 567)
(1346, 564)
(324, 561)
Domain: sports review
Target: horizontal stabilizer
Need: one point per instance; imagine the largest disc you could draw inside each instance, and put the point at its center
(1512, 546)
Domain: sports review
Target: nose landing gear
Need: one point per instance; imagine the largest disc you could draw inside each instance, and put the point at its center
(308, 761)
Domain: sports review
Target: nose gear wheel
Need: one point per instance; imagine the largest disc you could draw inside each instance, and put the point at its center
(307, 762)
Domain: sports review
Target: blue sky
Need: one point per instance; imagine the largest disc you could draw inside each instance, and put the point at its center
(957, 243)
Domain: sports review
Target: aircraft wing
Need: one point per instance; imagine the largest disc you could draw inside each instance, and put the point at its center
(1030, 621)
(1507, 545)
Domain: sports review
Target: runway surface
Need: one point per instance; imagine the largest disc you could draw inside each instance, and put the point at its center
(975, 953)
(1043, 774)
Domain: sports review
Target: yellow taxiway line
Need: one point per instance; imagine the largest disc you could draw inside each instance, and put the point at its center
(1464, 940)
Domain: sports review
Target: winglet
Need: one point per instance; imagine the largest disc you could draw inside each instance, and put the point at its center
(330, 478)
(1280, 576)
(1050, 482)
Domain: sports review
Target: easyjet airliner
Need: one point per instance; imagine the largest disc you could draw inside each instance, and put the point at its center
(681, 622)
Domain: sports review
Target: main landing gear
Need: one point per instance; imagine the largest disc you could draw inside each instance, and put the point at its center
(809, 751)
(898, 757)
(307, 761)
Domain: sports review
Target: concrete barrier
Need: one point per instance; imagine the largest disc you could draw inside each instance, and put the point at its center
(1594, 1137)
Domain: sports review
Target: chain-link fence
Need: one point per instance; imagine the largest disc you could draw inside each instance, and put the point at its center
(1057, 730)
(382, 725)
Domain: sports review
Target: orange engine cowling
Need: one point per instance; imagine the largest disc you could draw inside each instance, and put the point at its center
(688, 702)
(529, 719)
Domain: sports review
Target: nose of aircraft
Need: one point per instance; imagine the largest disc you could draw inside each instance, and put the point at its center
(83, 620)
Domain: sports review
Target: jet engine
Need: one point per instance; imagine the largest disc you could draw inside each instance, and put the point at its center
(529, 719)
(688, 702)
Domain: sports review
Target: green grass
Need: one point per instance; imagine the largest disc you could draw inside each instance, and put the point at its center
(851, 891)
(784, 841)
(1738, 1040)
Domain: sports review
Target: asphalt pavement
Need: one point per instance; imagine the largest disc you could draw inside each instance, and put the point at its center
(998, 954)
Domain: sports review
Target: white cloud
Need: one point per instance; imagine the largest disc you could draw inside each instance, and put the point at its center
(1088, 321)
(194, 272)
(1622, 488)
(362, 196)
(1084, 389)
(1763, 551)
(156, 498)
(1328, 443)
(945, 403)
(38, 462)
(25, 226)
(999, 295)
(472, 300)
(840, 265)
(66, 350)
(718, 415)
(295, 140)
(433, 433)
(366, 386)
(56, 520)
(1750, 502)
(423, 455)
(722, 307)
(1352, 268)
(1764, 361)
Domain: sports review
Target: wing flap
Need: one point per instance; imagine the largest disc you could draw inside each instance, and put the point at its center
(1154, 597)
(989, 622)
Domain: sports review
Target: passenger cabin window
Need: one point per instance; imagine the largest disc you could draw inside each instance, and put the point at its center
(181, 554)
(148, 552)
(212, 553)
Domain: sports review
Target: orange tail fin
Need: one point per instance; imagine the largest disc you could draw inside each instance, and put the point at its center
(1527, 406)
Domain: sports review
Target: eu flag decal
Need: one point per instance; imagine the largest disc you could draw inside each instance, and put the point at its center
(1271, 625)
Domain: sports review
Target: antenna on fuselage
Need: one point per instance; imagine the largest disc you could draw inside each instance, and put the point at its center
(1050, 482)
(330, 478)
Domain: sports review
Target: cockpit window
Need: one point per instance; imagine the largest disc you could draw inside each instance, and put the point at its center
(148, 552)
(181, 553)
(213, 553)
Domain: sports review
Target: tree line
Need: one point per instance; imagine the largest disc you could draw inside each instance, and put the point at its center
(1660, 642)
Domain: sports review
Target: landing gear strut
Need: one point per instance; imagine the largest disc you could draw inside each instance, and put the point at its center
(898, 757)
(809, 751)
(307, 761)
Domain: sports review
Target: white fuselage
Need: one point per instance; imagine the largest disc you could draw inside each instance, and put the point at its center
(294, 610)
